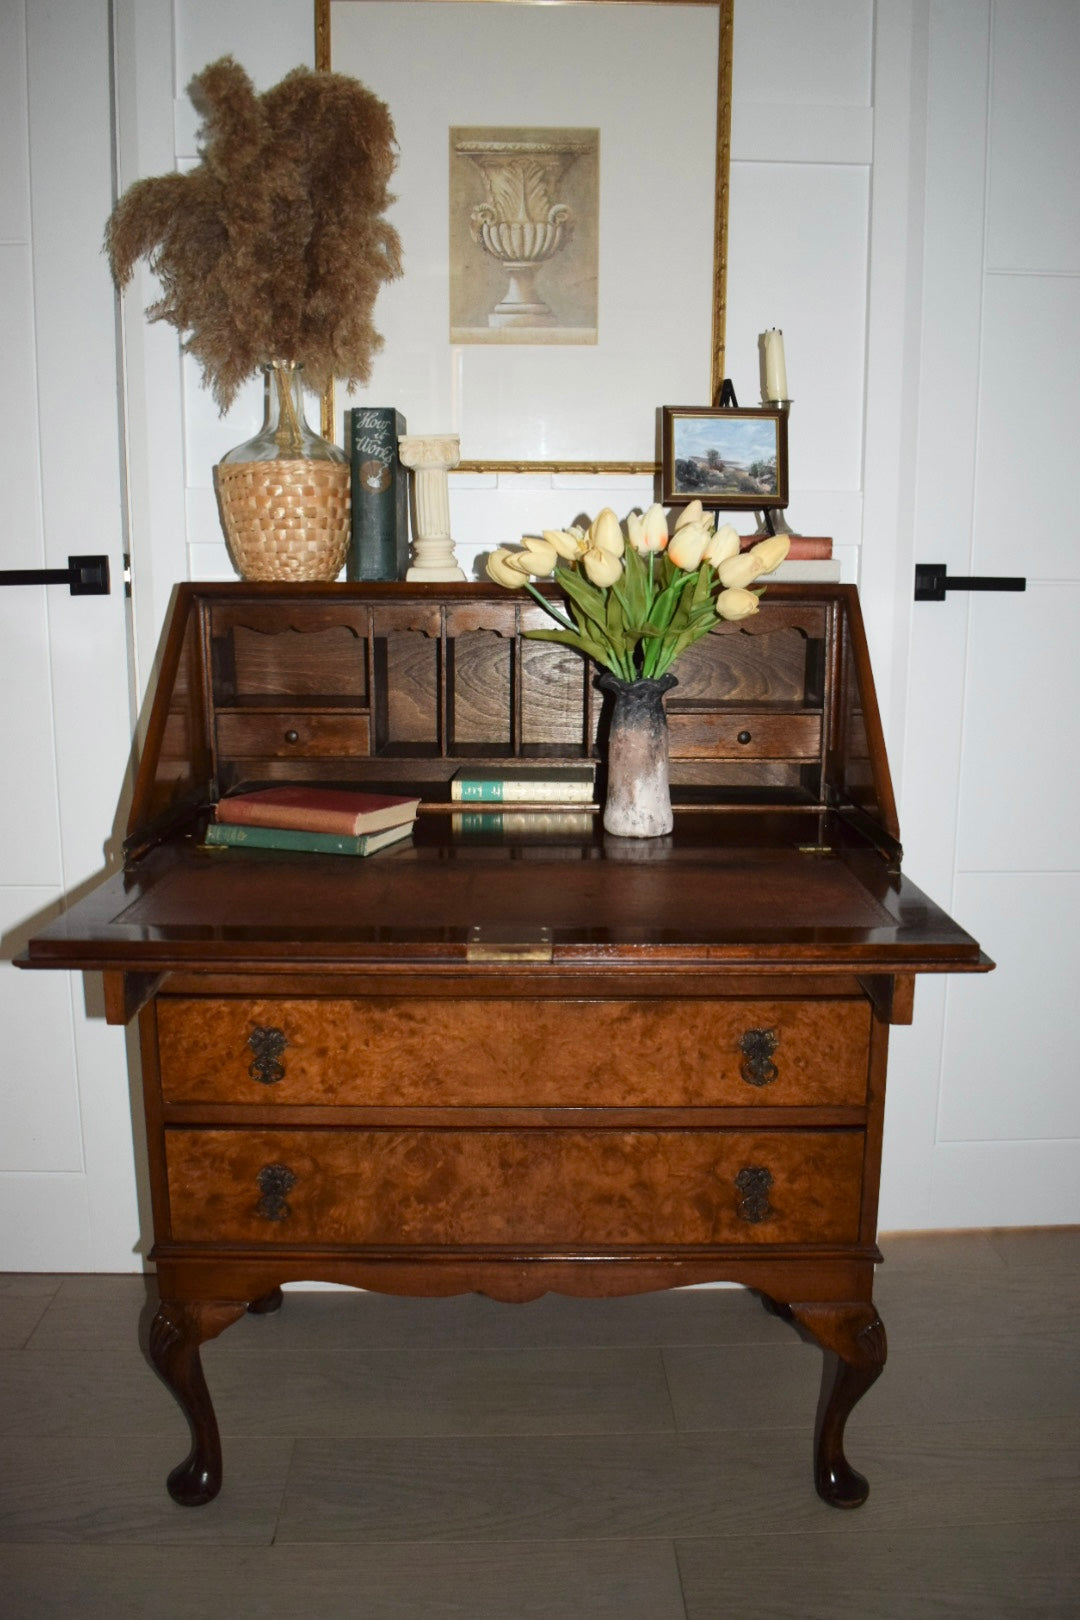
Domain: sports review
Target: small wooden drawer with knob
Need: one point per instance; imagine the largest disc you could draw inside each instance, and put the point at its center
(526, 1189)
(716, 734)
(413, 1052)
(300, 735)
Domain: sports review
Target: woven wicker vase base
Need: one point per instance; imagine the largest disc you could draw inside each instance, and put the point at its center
(285, 520)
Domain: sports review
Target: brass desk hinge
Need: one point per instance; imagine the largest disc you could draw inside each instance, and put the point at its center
(499, 944)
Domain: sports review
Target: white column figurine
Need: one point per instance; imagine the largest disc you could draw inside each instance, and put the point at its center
(775, 370)
(430, 458)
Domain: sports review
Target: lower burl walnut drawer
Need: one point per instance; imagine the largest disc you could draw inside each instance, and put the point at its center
(409, 1052)
(533, 1188)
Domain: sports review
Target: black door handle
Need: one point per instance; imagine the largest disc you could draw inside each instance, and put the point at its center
(84, 576)
(932, 581)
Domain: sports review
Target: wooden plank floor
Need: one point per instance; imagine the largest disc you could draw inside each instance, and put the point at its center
(637, 1459)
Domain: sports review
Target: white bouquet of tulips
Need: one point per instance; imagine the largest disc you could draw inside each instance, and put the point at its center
(636, 601)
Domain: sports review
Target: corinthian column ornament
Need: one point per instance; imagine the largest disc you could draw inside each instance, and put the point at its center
(430, 458)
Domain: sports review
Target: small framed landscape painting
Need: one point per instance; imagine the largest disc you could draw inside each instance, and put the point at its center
(725, 457)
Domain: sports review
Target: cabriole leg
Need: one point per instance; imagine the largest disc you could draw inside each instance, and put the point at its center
(176, 1333)
(853, 1339)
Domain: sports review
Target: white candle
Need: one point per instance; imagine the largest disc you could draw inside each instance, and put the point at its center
(775, 371)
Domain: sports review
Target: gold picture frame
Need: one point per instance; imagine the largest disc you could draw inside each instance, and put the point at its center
(725, 14)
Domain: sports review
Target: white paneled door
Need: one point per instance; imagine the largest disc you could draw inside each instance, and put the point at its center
(991, 1135)
(67, 1186)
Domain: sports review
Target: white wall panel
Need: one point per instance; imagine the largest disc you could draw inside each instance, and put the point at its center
(1010, 1068)
(1030, 406)
(14, 181)
(45, 1225)
(1005, 1184)
(794, 52)
(797, 260)
(39, 1102)
(1033, 213)
(1020, 768)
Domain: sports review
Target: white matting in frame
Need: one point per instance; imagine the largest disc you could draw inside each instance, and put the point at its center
(645, 76)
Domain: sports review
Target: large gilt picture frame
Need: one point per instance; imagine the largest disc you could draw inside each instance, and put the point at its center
(558, 407)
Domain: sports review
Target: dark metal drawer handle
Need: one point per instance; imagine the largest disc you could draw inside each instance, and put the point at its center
(267, 1044)
(274, 1181)
(752, 1185)
(757, 1047)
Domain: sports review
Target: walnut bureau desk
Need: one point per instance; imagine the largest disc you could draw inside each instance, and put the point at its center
(505, 1061)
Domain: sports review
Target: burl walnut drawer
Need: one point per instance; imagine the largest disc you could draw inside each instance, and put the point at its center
(535, 1188)
(410, 1052)
(278, 735)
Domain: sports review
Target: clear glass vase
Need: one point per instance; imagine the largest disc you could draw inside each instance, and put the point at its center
(638, 799)
(284, 494)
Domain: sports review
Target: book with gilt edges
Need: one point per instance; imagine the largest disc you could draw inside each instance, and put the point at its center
(317, 809)
(379, 545)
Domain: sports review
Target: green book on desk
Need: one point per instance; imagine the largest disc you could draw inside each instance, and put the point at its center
(525, 784)
(236, 837)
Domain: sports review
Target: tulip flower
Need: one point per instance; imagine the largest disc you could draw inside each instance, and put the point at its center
(602, 567)
(724, 544)
(569, 543)
(693, 512)
(648, 533)
(537, 557)
(739, 571)
(498, 569)
(736, 604)
(770, 553)
(605, 533)
(688, 545)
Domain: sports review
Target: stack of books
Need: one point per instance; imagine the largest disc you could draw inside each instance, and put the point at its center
(323, 821)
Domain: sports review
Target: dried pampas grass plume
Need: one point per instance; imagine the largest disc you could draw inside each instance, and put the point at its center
(274, 246)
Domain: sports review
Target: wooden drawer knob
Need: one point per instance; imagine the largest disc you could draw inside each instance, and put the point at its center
(267, 1044)
(273, 1182)
(752, 1185)
(757, 1047)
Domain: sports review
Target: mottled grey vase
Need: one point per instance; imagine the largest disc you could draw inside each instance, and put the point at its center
(638, 802)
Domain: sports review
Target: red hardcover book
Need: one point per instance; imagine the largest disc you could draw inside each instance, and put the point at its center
(803, 548)
(315, 809)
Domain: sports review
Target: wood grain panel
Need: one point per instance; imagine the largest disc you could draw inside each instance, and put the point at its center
(533, 1189)
(284, 735)
(389, 1050)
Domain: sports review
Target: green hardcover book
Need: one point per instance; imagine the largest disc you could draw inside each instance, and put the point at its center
(525, 784)
(236, 837)
(379, 545)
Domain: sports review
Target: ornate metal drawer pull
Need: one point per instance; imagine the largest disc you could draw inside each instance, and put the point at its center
(757, 1047)
(267, 1044)
(274, 1181)
(752, 1185)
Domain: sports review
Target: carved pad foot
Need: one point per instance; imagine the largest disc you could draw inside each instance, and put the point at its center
(176, 1333)
(853, 1339)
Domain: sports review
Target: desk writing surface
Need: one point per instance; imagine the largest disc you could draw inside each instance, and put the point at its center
(711, 890)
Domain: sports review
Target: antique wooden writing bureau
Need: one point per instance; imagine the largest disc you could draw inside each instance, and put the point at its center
(511, 1062)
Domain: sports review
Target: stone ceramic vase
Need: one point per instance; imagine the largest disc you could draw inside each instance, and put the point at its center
(638, 802)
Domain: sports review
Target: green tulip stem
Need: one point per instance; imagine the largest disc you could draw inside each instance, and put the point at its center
(547, 607)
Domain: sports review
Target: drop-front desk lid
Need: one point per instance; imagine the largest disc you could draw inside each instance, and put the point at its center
(726, 889)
